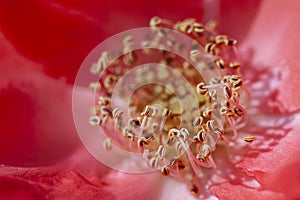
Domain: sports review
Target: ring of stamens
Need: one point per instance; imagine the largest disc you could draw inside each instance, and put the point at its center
(177, 151)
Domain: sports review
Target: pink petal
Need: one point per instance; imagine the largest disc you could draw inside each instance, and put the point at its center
(39, 183)
(278, 169)
(134, 186)
(226, 191)
(59, 34)
(274, 39)
(36, 113)
(234, 17)
(275, 46)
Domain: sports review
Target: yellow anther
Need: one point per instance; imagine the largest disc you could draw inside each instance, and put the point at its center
(95, 120)
(201, 135)
(107, 144)
(165, 170)
(117, 112)
(221, 39)
(204, 152)
(104, 101)
(201, 90)
(210, 48)
(142, 141)
(174, 133)
(149, 111)
(220, 63)
(95, 86)
(155, 21)
(198, 121)
(249, 139)
(154, 162)
(234, 65)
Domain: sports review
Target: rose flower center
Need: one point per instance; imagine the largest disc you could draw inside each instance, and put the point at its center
(174, 112)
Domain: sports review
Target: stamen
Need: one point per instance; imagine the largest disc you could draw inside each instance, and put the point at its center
(161, 152)
(109, 81)
(198, 121)
(201, 135)
(154, 162)
(104, 101)
(205, 153)
(134, 123)
(155, 21)
(213, 94)
(166, 139)
(194, 190)
(240, 108)
(128, 133)
(220, 133)
(249, 139)
(220, 63)
(173, 133)
(177, 163)
(232, 42)
(142, 141)
(198, 29)
(210, 48)
(105, 113)
(227, 91)
(179, 148)
(127, 41)
(166, 114)
(107, 144)
(95, 86)
(207, 112)
(195, 53)
(165, 170)
(210, 125)
(221, 39)
(95, 120)
(117, 112)
(184, 134)
(232, 125)
(234, 65)
(190, 156)
(148, 112)
(201, 89)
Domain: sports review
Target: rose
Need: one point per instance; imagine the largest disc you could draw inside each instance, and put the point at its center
(37, 128)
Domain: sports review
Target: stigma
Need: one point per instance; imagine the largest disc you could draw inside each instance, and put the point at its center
(177, 142)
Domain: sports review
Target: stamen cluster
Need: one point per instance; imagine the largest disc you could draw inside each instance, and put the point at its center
(157, 132)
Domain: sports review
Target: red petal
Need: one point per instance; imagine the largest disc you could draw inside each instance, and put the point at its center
(234, 17)
(226, 191)
(36, 113)
(39, 183)
(134, 186)
(279, 169)
(274, 38)
(59, 34)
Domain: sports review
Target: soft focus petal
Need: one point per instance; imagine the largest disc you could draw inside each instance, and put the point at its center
(59, 34)
(42, 183)
(274, 40)
(226, 191)
(233, 16)
(278, 169)
(36, 113)
(134, 186)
